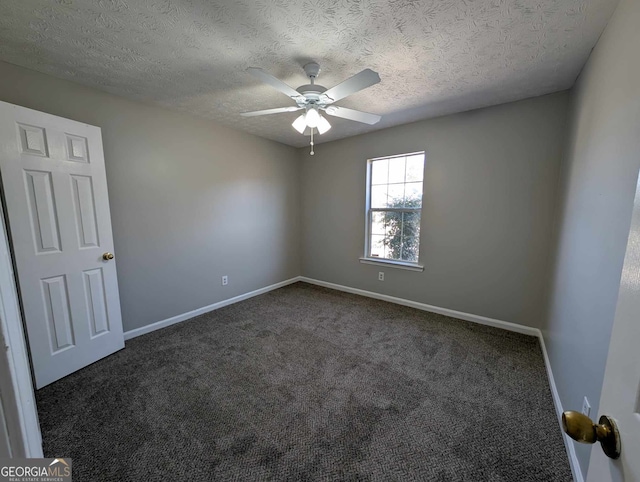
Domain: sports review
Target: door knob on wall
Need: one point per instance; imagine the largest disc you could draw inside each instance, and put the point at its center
(107, 256)
(581, 429)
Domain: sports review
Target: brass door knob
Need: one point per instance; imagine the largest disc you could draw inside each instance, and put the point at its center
(107, 256)
(581, 429)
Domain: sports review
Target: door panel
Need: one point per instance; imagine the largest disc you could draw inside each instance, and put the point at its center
(621, 388)
(96, 302)
(85, 211)
(42, 210)
(54, 183)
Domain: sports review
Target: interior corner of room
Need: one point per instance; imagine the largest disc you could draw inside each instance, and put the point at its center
(526, 215)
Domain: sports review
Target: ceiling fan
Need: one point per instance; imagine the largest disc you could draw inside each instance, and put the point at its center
(315, 99)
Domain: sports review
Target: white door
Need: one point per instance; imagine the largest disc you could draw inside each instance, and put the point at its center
(621, 390)
(55, 188)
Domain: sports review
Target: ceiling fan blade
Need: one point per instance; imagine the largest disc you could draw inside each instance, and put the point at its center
(354, 115)
(278, 110)
(274, 82)
(354, 84)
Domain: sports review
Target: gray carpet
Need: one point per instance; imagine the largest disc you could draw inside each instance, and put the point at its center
(306, 383)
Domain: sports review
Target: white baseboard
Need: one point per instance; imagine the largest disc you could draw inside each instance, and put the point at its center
(205, 309)
(568, 442)
(505, 325)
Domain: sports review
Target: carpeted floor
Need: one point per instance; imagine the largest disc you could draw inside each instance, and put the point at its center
(306, 383)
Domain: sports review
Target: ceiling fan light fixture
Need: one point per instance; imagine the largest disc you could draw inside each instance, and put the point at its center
(312, 117)
(300, 124)
(323, 125)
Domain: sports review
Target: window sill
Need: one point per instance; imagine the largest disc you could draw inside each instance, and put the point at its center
(393, 264)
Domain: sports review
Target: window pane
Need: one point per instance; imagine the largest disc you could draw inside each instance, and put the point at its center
(377, 223)
(415, 168)
(377, 246)
(396, 195)
(393, 238)
(379, 196)
(395, 235)
(380, 171)
(413, 195)
(411, 225)
(396, 169)
(410, 247)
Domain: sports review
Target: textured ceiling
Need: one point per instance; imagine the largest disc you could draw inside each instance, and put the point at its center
(434, 56)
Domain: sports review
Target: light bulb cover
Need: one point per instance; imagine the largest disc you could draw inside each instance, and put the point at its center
(312, 117)
(323, 125)
(300, 124)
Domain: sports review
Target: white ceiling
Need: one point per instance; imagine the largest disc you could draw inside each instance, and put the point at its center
(435, 57)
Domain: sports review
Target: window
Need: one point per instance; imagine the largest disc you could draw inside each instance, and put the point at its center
(394, 207)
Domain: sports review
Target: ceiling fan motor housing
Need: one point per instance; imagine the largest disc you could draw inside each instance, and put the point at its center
(310, 94)
(312, 69)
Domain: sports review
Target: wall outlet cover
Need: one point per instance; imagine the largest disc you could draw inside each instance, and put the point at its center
(225, 280)
(381, 276)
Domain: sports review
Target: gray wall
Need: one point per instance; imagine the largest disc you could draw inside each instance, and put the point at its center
(598, 185)
(489, 202)
(190, 200)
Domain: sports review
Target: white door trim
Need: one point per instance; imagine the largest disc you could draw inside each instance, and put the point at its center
(16, 385)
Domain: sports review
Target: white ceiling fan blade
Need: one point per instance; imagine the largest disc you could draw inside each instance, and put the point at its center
(354, 84)
(278, 110)
(354, 115)
(274, 82)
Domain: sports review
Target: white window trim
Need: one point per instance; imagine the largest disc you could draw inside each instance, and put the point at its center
(366, 259)
(392, 263)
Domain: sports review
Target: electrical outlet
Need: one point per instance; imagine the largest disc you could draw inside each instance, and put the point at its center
(381, 276)
(225, 280)
(586, 408)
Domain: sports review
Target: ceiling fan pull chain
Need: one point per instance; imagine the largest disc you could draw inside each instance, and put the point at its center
(311, 142)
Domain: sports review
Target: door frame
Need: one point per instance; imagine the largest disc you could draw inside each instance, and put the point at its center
(17, 397)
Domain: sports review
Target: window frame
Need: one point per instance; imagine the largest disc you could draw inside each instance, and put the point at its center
(367, 258)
